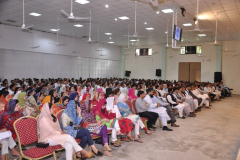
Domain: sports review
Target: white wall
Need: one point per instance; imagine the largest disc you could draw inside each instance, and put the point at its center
(231, 66)
(19, 60)
(207, 68)
(142, 67)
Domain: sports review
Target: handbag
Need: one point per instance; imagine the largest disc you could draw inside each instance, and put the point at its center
(42, 145)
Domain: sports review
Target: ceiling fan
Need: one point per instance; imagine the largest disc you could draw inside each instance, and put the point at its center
(72, 17)
(135, 35)
(24, 27)
(74, 44)
(128, 47)
(98, 49)
(57, 43)
(215, 42)
(209, 60)
(233, 55)
(226, 49)
(90, 29)
(153, 3)
(196, 23)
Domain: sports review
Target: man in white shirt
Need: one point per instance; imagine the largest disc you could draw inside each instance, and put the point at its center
(155, 107)
(166, 105)
(205, 98)
(165, 89)
(12, 89)
(187, 108)
(174, 104)
(208, 89)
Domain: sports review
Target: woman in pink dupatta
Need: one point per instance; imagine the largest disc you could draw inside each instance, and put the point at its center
(50, 132)
(131, 94)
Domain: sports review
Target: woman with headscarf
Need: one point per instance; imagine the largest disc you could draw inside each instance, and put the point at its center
(22, 97)
(89, 123)
(11, 114)
(100, 92)
(125, 124)
(65, 101)
(86, 107)
(31, 107)
(71, 118)
(50, 132)
(4, 99)
(127, 113)
(102, 117)
(131, 94)
(50, 99)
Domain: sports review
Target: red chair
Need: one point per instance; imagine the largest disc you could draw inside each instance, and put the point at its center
(26, 130)
(133, 108)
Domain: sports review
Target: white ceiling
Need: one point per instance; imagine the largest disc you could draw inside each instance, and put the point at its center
(104, 18)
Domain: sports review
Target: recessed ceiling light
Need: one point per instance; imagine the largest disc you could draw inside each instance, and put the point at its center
(123, 18)
(145, 22)
(82, 1)
(115, 19)
(201, 35)
(133, 40)
(110, 37)
(157, 12)
(78, 25)
(167, 10)
(149, 29)
(166, 32)
(108, 34)
(132, 43)
(110, 42)
(187, 24)
(201, 17)
(34, 14)
(182, 40)
(54, 30)
(106, 6)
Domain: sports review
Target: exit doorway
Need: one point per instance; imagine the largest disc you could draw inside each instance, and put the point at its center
(189, 71)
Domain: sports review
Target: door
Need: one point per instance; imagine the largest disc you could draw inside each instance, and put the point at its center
(189, 71)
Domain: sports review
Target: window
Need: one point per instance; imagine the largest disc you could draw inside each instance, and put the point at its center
(144, 52)
(191, 50)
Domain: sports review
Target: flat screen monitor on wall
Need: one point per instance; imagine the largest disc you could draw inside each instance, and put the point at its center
(177, 33)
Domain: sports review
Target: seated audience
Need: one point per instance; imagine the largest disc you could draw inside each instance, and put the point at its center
(50, 132)
(127, 113)
(11, 114)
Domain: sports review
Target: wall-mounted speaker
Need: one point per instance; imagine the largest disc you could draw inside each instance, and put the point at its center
(127, 73)
(217, 76)
(158, 72)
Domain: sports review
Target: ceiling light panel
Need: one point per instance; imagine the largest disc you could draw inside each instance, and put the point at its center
(167, 10)
(110, 42)
(108, 34)
(82, 1)
(54, 30)
(34, 14)
(150, 29)
(78, 25)
(187, 24)
(123, 18)
(201, 35)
